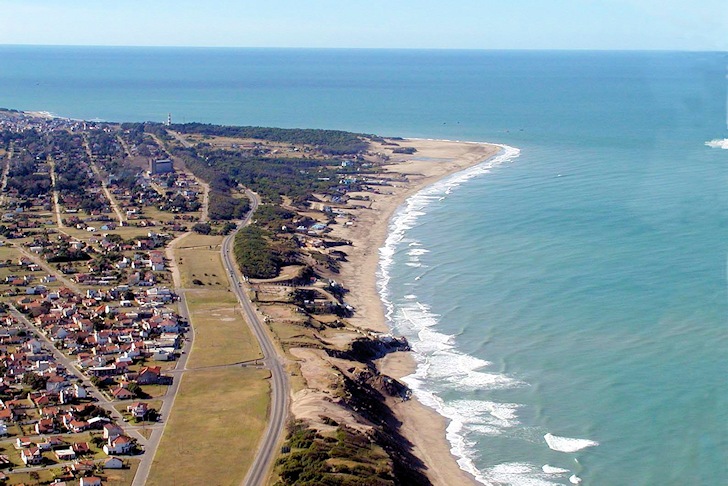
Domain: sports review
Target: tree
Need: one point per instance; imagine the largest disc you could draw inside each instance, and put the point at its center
(202, 228)
(135, 389)
(34, 381)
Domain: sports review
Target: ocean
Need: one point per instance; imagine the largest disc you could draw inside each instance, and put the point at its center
(567, 301)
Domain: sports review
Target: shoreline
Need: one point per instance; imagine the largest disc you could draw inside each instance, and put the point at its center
(434, 161)
(405, 176)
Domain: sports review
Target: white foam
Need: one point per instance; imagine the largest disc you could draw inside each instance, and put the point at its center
(485, 413)
(437, 359)
(517, 474)
(574, 479)
(717, 143)
(567, 444)
(554, 470)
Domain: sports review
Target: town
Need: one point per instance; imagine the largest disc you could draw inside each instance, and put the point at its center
(89, 326)
(105, 229)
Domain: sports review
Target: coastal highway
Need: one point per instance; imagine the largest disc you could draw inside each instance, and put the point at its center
(258, 472)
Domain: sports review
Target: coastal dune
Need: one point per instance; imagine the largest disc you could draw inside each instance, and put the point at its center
(431, 161)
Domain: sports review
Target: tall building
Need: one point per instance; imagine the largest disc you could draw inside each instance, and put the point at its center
(162, 166)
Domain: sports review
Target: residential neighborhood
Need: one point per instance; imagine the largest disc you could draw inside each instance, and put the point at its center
(90, 326)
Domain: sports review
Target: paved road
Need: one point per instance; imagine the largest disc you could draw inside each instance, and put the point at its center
(61, 358)
(258, 472)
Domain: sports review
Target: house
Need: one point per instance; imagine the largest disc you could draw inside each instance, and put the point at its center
(162, 355)
(7, 414)
(51, 443)
(122, 393)
(156, 261)
(31, 456)
(112, 431)
(77, 425)
(98, 422)
(113, 463)
(138, 410)
(45, 426)
(120, 445)
(65, 454)
(149, 375)
(80, 448)
(83, 466)
(22, 442)
(79, 391)
(90, 481)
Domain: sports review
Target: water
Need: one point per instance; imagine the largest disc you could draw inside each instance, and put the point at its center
(567, 304)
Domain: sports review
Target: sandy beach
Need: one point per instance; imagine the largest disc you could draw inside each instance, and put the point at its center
(433, 161)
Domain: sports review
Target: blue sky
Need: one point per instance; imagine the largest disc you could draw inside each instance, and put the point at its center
(468, 24)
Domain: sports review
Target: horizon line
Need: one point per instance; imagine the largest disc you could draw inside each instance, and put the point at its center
(479, 49)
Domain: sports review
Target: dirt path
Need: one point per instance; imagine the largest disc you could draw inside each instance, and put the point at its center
(47, 269)
(124, 146)
(104, 187)
(56, 203)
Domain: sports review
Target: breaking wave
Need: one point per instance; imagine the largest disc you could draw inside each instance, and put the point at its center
(438, 361)
(718, 143)
(567, 444)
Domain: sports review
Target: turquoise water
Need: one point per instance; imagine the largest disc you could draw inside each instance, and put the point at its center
(577, 289)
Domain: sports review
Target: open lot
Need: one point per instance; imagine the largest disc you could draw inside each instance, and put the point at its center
(216, 424)
(222, 336)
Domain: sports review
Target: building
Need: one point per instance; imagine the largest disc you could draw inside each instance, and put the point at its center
(161, 166)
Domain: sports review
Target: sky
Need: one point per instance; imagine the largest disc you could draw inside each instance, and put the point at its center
(453, 24)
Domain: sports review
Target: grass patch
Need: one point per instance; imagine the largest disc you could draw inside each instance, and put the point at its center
(155, 214)
(292, 335)
(194, 240)
(121, 477)
(214, 428)
(44, 476)
(221, 334)
(198, 258)
(154, 391)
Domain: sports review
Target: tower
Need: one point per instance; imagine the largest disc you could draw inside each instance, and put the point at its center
(169, 119)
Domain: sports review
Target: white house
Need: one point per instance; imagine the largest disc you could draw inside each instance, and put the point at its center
(90, 481)
(113, 463)
(120, 445)
(31, 456)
